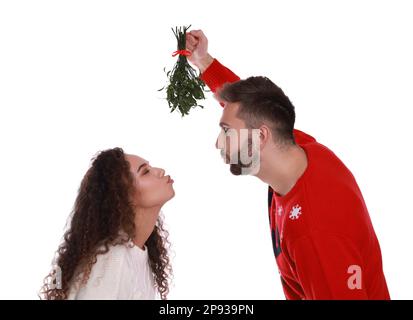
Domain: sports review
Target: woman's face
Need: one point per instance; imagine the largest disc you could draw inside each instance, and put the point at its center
(152, 187)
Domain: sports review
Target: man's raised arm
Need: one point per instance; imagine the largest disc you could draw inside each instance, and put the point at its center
(213, 73)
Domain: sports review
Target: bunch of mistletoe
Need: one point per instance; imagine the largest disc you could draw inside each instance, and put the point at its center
(185, 87)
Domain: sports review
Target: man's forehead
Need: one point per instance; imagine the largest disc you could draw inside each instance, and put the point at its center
(231, 106)
(229, 110)
(229, 114)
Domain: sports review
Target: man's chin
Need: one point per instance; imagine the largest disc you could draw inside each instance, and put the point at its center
(238, 170)
(235, 169)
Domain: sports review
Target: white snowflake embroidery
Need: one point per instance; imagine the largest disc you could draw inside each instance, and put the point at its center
(295, 212)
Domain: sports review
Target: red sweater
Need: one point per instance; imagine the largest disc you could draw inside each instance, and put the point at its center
(323, 239)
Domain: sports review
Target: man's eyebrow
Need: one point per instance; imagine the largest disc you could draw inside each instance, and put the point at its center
(142, 165)
(221, 124)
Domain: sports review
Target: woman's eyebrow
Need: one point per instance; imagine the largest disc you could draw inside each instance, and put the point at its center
(142, 165)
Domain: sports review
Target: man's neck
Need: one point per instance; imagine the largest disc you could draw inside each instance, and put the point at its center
(281, 169)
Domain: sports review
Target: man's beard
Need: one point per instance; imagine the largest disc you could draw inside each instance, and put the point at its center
(240, 168)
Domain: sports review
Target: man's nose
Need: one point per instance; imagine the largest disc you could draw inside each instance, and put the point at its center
(218, 143)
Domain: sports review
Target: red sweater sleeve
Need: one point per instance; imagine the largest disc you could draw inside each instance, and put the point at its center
(328, 267)
(216, 75)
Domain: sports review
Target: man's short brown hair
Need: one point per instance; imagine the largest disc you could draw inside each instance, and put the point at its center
(262, 102)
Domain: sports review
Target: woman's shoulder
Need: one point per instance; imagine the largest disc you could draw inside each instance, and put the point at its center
(111, 254)
(111, 273)
(120, 256)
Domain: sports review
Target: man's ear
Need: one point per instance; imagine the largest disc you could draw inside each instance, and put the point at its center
(265, 136)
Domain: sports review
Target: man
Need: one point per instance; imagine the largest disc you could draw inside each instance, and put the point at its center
(324, 242)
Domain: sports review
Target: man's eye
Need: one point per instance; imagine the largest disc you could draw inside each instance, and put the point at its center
(225, 130)
(146, 171)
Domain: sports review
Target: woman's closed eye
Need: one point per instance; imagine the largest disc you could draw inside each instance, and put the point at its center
(144, 168)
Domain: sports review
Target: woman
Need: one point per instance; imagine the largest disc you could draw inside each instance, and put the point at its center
(116, 247)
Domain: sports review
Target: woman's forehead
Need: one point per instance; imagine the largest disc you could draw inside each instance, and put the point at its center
(135, 161)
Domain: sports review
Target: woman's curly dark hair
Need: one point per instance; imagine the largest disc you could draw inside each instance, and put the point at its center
(103, 209)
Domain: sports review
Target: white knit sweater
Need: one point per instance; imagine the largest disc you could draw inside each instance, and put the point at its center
(121, 273)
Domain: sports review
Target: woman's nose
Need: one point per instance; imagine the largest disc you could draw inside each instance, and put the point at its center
(161, 172)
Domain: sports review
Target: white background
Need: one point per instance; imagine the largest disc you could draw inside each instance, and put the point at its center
(77, 77)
